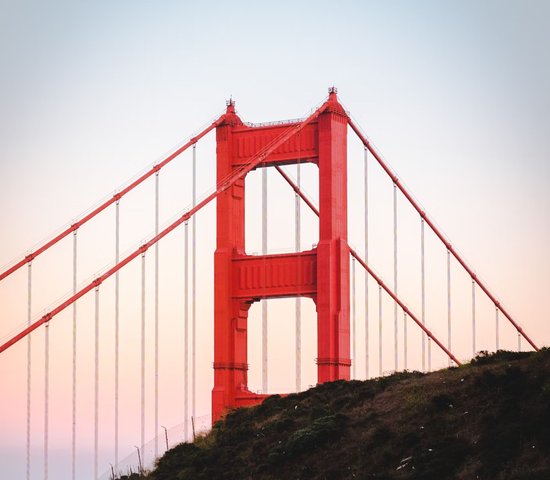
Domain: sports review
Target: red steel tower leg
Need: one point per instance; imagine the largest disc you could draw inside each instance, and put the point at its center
(333, 342)
(230, 329)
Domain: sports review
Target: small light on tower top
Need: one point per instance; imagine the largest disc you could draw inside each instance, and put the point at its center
(230, 104)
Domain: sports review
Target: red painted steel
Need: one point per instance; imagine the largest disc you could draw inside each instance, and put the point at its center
(116, 197)
(371, 272)
(438, 233)
(226, 184)
(275, 276)
(322, 274)
(247, 141)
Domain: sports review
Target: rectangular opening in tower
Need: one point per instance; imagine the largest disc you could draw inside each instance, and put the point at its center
(285, 215)
(282, 351)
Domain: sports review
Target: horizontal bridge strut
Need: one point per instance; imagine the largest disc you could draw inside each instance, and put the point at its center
(222, 186)
(275, 276)
(247, 141)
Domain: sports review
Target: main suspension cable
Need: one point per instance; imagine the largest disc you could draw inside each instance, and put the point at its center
(28, 258)
(439, 235)
(253, 162)
(371, 272)
(406, 309)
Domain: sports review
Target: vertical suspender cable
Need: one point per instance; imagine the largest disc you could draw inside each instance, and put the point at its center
(429, 354)
(496, 326)
(395, 275)
(449, 331)
(73, 436)
(297, 245)
(46, 396)
(117, 326)
(405, 340)
(473, 318)
(156, 314)
(194, 287)
(264, 302)
(366, 192)
(422, 286)
(186, 339)
(29, 303)
(519, 341)
(353, 340)
(142, 436)
(96, 385)
(380, 329)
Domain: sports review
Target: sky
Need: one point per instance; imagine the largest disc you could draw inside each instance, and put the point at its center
(453, 94)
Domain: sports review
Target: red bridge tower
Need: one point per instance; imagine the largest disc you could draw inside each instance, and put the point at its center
(321, 273)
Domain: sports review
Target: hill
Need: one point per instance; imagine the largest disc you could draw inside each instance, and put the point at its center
(489, 419)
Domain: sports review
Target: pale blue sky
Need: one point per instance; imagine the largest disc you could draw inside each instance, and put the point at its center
(451, 71)
(454, 94)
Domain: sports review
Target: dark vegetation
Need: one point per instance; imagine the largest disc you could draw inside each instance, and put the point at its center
(487, 420)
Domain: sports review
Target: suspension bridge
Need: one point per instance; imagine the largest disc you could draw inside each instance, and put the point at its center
(172, 306)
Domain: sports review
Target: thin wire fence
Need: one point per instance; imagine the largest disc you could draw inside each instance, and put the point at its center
(145, 460)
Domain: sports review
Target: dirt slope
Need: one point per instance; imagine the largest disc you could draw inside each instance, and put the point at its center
(488, 420)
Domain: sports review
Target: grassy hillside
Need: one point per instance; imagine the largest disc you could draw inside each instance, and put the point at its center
(488, 420)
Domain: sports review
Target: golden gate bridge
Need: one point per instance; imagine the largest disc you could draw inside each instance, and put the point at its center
(327, 273)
